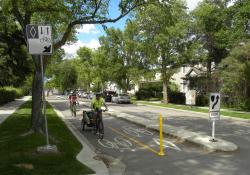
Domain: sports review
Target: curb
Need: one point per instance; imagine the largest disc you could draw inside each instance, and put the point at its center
(116, 166)
(86, 155)
(189, 136)
(202, 113)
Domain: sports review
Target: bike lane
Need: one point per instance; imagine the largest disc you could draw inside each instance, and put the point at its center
(137, 148)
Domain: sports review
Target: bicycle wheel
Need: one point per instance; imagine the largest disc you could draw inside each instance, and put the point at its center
(74, 110)
(83, 124)
(101, 129)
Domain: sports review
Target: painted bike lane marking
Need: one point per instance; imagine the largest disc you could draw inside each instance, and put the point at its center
(118, 143)
(134, 140)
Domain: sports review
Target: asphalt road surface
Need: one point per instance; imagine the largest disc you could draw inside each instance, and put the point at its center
(137, 147)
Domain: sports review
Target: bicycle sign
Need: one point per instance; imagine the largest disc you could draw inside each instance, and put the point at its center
(39, 39)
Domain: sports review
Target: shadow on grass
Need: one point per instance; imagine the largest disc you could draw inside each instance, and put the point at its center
(16, 149)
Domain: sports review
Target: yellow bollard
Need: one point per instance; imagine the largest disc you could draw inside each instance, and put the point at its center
(161, 153)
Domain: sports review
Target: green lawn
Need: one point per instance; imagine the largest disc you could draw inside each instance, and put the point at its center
(197, 109)
(18, 150)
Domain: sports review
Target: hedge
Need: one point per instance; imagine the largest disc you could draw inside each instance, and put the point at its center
(149, 91)
(8, 94)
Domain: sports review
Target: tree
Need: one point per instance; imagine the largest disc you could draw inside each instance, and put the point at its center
(65, 17)
(84, 67)
(101, 71)
(212, 29)
(238, 18)
(64, 76)
(165, 37)
(15, 63)
(237, 85)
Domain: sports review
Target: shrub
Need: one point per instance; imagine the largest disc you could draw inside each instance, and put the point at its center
(149, 91)
(8, 94)
(202, 100)
(176, 97)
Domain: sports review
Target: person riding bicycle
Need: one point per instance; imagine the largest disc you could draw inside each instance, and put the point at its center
(96, 105)
(72, 100)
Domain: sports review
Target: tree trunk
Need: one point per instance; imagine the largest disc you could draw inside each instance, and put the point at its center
(127, 85)
(36, 118)
(208, 83)
(165, 79)
(165, 90)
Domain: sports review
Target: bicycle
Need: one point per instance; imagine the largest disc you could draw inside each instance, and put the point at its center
(73, 108)
(99, 124)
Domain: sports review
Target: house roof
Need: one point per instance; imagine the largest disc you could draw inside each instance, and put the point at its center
(197, 71)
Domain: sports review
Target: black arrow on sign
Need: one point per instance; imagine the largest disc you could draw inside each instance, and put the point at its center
(47, 30)
(47, 48)
(41, 30)
(217, 100)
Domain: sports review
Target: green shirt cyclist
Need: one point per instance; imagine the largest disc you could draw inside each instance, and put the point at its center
(98, 102)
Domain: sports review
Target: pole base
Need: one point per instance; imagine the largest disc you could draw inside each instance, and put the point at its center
(213, 140)
(161, 154)
(47, 149)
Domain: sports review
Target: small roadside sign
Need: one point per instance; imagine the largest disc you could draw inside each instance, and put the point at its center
(214, 107)
(39, 39)
(214, 111)
(214, 116)
(214, 102)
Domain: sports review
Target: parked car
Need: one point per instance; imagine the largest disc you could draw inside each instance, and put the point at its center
(108, 95)
(90, 96)
(121, 98)
(80, 93)
(84, 95)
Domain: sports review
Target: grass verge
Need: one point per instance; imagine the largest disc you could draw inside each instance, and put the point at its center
(18, 153)
(197, 109)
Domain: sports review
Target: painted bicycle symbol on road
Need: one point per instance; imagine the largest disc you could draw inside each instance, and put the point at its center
(119, 143)
(138, 132)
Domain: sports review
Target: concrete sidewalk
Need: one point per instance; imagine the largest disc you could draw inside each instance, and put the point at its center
(9, 108)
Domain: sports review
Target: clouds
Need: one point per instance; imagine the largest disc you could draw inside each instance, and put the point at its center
(88, 29)
(192, 4)
(71, 49)
(87, 36)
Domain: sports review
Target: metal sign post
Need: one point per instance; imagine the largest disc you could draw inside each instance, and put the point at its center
(39, 39)
(44, 102)
(214, 112)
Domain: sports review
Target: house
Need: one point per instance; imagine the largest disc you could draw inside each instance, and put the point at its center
(180, 78)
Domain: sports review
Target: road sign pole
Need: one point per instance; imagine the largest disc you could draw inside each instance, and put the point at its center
(44, 102)
(39, 40)
(213, 129)
(213, 132)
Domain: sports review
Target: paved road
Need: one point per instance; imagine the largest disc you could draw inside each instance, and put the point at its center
(137, 147)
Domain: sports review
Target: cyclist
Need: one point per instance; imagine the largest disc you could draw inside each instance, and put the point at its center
(72, 101)
(96, 105)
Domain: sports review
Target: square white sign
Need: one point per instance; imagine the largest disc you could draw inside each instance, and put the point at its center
(39, 38)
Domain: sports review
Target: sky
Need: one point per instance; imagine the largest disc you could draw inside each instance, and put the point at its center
(88, 34)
